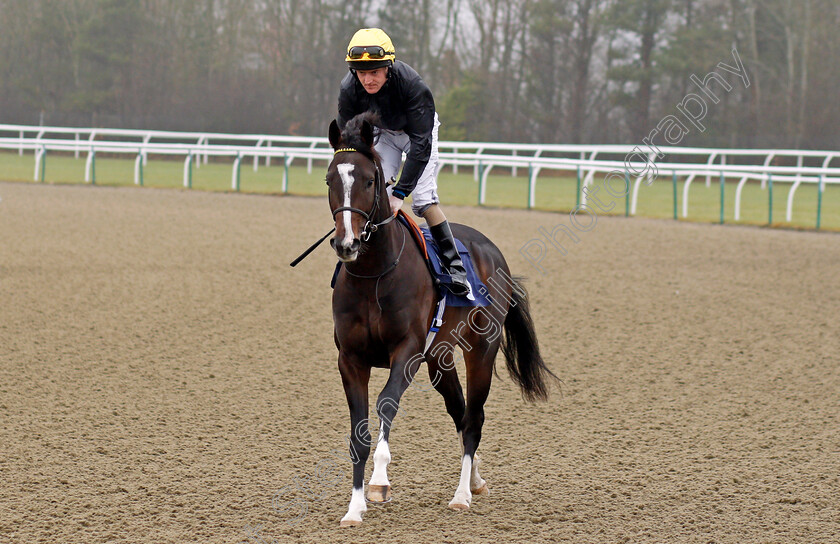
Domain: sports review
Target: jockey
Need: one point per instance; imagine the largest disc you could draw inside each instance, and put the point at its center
(406, 108)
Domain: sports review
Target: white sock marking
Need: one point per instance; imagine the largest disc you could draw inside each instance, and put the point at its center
(357, 505)
(476, 481)
(381, 458)
(463, 495)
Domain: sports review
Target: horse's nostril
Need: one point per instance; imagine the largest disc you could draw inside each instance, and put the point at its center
(343, 249)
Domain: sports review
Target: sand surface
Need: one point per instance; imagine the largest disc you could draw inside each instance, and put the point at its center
(166, 377)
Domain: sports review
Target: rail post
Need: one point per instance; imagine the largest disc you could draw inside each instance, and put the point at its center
(36, 175)
(674, 185)
(819, 200)
(236, 171)
(43, 162)
(722, 187)
(627, 196)
(285, 175)
(188, 171)
(770, 199)
(530, 186)
(479, 168)
(577, 193)
(138, 169)
(89, 165)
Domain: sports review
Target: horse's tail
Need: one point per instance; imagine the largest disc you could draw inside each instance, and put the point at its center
(522, 352)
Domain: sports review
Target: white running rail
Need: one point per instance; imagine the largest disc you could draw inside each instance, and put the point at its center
(483, 157)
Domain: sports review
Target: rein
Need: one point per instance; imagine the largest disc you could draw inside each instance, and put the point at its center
(390, 268)
(381, 275)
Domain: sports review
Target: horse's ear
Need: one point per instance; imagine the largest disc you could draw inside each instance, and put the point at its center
(367, 133)
(335, 135)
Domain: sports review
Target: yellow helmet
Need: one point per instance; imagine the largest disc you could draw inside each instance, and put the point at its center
(370, 48)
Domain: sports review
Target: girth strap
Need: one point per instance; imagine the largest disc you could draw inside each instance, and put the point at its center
(437, 322)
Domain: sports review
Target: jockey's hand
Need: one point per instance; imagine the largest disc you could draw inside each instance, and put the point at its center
(396, 203)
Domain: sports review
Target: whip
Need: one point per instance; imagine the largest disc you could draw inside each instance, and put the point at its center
(311, 248)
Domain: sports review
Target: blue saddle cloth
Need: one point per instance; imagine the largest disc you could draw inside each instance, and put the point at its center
(477, 288)
(478, 291)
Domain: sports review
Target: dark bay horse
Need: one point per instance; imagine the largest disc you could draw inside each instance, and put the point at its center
(383, 306)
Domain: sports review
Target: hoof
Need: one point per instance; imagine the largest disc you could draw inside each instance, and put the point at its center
(351, 522)
(459, 506)
(481, 490)
(379, 493)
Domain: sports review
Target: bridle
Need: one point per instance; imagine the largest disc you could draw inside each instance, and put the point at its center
(370, 227)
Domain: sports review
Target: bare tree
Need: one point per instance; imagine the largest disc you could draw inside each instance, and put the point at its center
(531, 70)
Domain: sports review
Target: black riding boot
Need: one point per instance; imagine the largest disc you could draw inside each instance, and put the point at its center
(450, 259)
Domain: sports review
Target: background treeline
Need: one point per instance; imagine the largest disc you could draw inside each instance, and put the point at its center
(569, 71)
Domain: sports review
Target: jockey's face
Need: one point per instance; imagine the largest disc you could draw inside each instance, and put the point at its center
(372, 80)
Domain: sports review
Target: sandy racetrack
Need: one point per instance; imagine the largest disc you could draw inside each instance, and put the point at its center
(163, 373)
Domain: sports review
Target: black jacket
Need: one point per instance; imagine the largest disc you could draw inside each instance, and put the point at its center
(403, 103)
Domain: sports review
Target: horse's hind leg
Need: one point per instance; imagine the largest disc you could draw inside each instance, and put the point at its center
(478, 485)
(444, 378)
(479, 364)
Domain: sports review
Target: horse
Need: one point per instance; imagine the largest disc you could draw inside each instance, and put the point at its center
(384, 303)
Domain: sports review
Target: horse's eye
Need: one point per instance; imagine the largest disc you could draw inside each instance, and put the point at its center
(327, 181)
(370, 182)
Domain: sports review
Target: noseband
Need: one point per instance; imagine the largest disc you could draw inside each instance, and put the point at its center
(370, 227)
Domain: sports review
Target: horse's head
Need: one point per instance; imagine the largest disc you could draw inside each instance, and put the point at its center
(356, 190)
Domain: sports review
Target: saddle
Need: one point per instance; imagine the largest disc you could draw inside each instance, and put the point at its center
(423, 238)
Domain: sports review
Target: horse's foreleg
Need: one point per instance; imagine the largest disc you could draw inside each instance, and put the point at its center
(355, 379)
(404, 365)
(379, 487)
